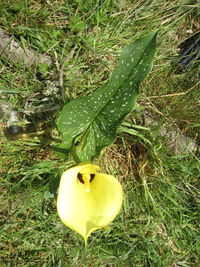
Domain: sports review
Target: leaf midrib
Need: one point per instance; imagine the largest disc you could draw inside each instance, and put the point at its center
(103, 106)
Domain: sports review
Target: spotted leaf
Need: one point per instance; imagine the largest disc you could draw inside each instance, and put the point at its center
(93, 120)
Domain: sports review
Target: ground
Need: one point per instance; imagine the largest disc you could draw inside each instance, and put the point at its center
(159, 222)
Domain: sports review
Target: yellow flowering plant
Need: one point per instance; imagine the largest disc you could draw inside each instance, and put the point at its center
(88, 199)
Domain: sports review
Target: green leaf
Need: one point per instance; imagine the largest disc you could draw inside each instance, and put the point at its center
(93, 120)
(134, 133)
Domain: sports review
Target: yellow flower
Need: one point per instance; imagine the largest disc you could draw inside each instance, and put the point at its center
(88, 200)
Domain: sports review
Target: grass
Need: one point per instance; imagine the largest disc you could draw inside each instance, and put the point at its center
(159, 222)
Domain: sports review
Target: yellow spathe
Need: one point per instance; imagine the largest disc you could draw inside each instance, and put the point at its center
(88, 200)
